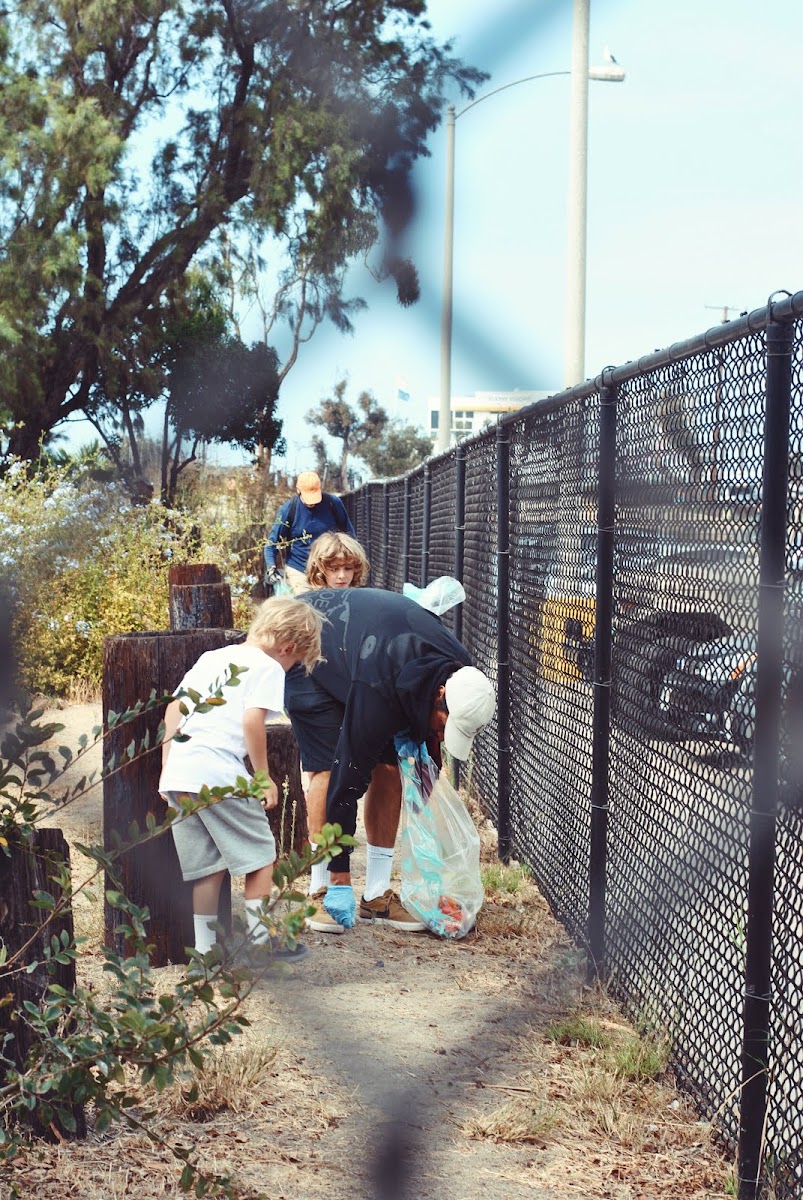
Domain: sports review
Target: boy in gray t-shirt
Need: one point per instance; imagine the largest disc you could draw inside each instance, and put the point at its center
(234, 833)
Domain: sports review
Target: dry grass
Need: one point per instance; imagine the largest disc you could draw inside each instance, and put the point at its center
(519, 1121)
(542, 1086)
(233, 1079)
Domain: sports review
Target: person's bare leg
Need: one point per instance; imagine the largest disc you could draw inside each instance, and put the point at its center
(259, 883)
(316, 817)
(383, 806)
(205, 896)
(206, 892)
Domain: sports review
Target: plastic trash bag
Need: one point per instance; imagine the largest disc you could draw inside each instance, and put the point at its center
(440, 847)
(281, 587)
(438, 596)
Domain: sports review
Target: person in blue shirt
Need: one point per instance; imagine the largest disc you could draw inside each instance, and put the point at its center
(298, 523)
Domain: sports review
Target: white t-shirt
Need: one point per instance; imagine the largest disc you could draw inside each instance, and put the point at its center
(216, 750)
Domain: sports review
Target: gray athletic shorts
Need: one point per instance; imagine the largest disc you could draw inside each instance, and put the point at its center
(232, 835)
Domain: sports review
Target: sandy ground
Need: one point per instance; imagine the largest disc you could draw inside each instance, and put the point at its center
(392, 1053)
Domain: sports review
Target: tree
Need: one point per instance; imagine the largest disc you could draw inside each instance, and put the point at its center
(401, 448)
(353, 428)
(388, 447)
(291, 126)
(214, 388)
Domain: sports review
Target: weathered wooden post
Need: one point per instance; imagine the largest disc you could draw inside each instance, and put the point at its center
(199, 599)
(289, 820)
(201, 606)
(181, 573)
(134, 665)
(26, 870)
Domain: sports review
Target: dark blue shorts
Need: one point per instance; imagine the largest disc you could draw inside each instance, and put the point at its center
(317, 717)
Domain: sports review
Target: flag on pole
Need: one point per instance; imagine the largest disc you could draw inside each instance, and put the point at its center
(402, 390)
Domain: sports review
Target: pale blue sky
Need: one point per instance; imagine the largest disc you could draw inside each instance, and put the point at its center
(695, 187)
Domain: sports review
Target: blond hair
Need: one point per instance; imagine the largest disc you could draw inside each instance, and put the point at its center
(285, 621)
(327, 549)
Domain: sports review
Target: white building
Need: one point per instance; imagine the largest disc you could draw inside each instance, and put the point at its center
(471, 414)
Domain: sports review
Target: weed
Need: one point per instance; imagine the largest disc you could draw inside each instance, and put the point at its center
(642, 1058)
(508, 879)
(578, 1031)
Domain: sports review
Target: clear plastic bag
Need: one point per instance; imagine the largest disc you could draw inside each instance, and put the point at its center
(438, 596)
(440, 848)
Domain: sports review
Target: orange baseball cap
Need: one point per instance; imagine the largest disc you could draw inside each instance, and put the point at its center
(308, 486)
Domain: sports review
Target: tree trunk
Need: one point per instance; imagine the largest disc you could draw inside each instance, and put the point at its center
(201, 606)
(289, 819)
(27, 870)
(134, 665)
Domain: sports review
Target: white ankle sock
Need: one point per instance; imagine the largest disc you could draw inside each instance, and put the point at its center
(205, 938)
(319, 877)
(378, 866)
(253, 912)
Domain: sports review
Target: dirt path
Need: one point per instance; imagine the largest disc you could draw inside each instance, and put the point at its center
(401, 1066)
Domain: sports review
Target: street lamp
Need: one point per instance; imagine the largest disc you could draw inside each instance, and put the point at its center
(611, 73)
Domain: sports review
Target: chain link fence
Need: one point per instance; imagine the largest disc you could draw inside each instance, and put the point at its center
(632, 555)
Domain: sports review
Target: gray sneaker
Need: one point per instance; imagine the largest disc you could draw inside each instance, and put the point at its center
(322, 921)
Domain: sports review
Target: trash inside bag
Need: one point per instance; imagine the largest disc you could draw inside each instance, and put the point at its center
(438, 596)
(440, 847)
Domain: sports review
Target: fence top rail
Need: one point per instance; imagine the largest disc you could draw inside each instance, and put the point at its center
(781, 306)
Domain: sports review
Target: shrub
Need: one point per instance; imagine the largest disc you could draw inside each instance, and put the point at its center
(83, 563)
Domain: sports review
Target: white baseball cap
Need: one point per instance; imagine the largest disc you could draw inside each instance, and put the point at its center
(470, 698)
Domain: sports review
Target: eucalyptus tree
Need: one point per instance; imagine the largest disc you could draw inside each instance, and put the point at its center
(134, 136)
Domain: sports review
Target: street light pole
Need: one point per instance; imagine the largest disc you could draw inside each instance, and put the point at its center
(445, 407)
(610, 73)
(575, 329)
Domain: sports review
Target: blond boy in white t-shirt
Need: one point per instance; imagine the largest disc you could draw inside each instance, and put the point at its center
(233, 834)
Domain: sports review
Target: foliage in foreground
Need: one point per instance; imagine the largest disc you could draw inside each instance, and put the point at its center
(100, 1048)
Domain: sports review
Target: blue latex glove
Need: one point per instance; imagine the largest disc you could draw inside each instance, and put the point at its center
(340, 904)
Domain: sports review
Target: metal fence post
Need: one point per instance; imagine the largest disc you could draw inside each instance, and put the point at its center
(601, 726)
(368, 543)
(426, 521)
(502, 631)
(766, 760)
(385, 532)
(406, 530)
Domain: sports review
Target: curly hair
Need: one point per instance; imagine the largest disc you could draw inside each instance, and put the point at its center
(325, 552)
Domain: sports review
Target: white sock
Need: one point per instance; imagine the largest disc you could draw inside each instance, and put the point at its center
(378, 865)
(319, 877)
(254, 910)
(205, 936)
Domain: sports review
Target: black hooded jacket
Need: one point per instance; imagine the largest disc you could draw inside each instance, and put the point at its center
(386, 657)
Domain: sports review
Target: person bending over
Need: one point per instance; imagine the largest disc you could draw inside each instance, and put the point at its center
(389, 667)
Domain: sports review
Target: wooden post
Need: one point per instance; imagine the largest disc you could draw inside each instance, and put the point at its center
(200, 606)
(134, 664)
(181, 573)
(27, 870)
(289, 820)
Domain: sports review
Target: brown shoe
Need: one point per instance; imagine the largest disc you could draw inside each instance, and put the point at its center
(321, 921)
(389, 910)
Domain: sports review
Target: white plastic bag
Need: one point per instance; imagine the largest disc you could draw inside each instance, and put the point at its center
(438, 596)
(440, 848)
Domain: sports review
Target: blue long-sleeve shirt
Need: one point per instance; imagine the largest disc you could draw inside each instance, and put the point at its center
(299, 526)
